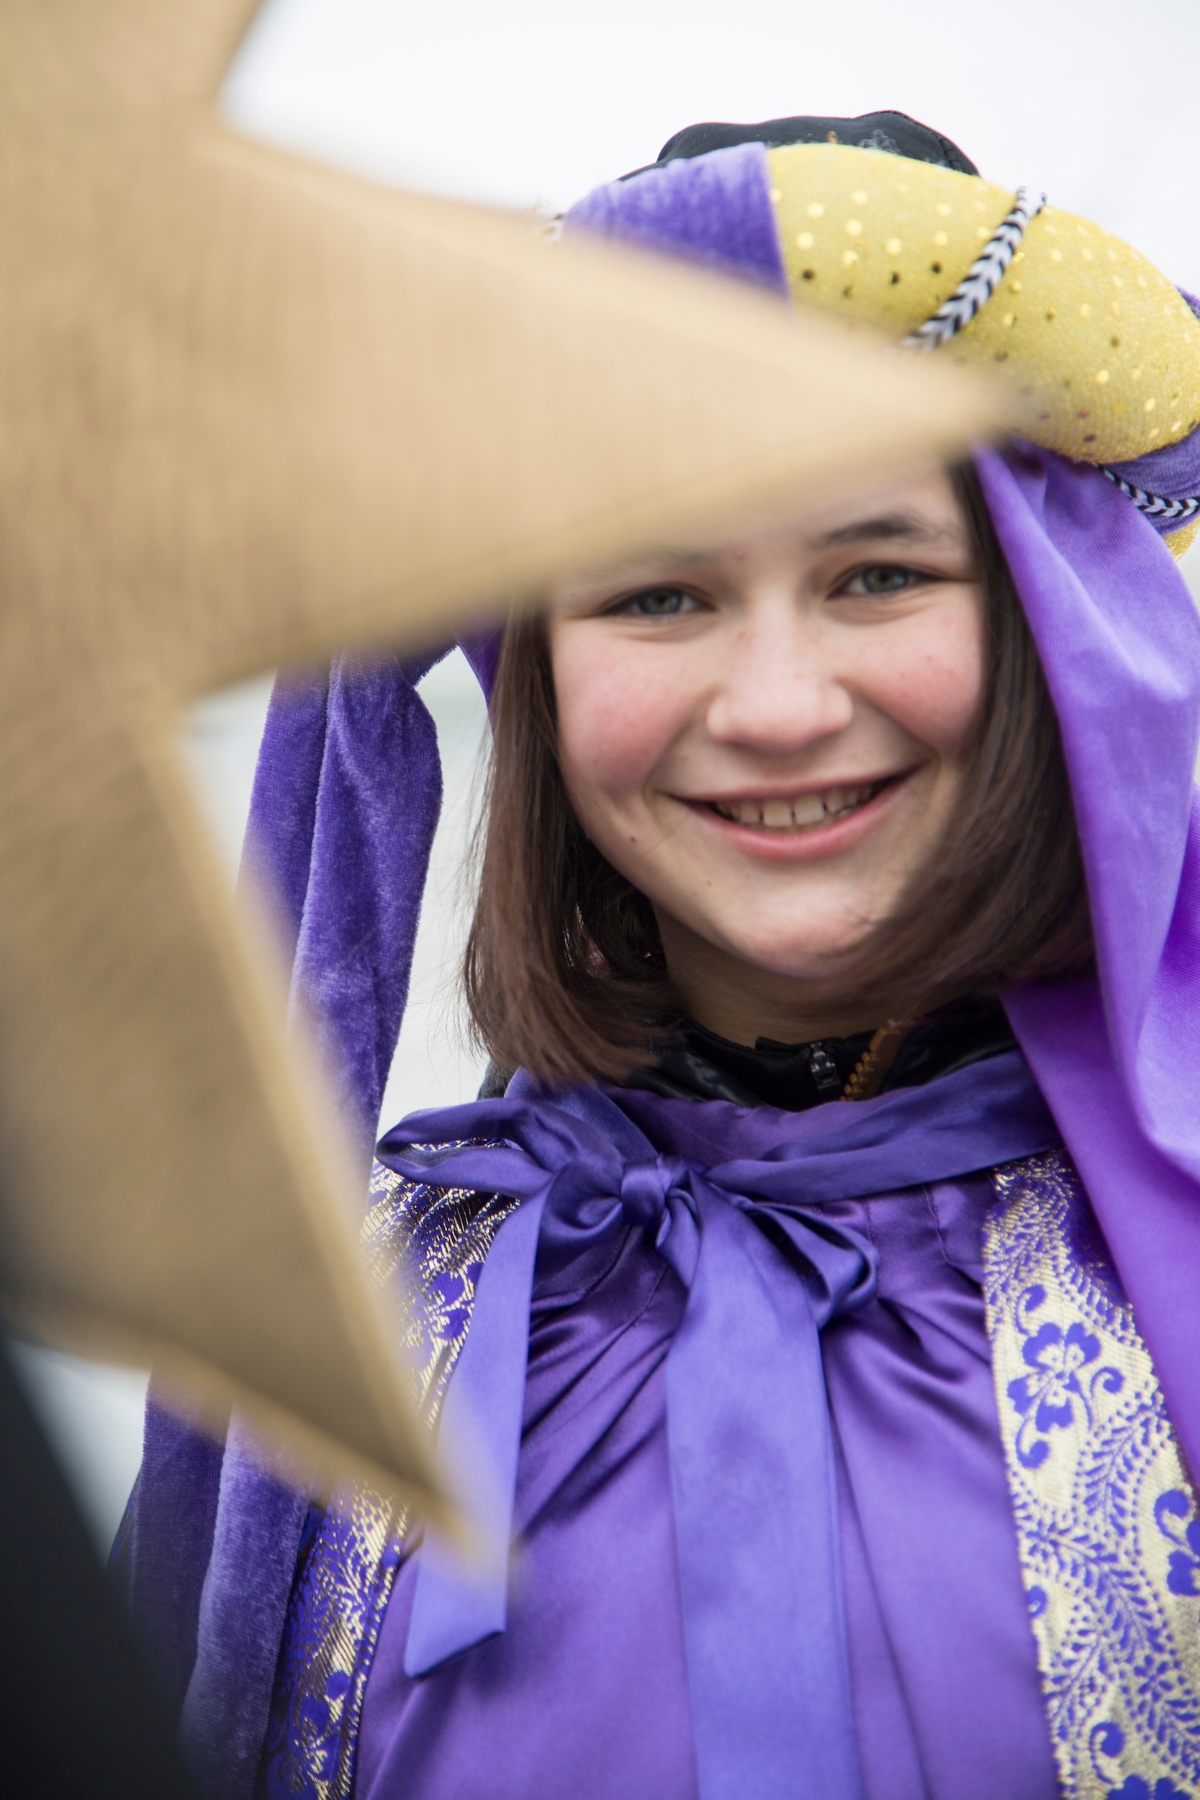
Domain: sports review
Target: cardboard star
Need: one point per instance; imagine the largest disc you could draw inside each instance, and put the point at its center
(251, 411)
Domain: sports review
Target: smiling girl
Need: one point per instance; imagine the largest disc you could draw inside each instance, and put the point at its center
(816, 1282)
(783, 746)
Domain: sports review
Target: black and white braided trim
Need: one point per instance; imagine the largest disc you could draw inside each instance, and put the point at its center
(1155, 506)
(981, 279)
(973, 293)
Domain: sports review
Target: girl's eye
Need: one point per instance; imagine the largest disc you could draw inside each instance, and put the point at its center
(881, 578)
(657, 603)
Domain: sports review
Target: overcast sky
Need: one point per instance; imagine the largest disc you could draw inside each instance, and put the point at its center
(538, 100)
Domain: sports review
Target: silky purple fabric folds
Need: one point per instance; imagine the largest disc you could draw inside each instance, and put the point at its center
(1119, 638)
(751, 1471)
(586, 1692)
(751, 1476)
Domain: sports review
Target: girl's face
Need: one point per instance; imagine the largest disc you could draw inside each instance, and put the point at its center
(769, 739)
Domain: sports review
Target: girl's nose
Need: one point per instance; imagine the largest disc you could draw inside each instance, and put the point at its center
(777, 693)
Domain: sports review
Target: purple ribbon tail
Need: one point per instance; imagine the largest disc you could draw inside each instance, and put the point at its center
(459, 1602)
(752, 1481)
(752, 1473)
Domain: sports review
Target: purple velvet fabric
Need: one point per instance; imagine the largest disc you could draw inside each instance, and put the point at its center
(586, 1692)
(345, 805)
(170, 1544)
(1173, 472)
(256, 1535)
(482, 651)
(712, 210)
(345, 842)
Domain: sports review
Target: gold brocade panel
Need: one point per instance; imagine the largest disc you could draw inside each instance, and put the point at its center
(426, 1247)
(1105, 1513)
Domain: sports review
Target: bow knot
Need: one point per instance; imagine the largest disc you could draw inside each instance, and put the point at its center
(751, 1463)
(646, 1185)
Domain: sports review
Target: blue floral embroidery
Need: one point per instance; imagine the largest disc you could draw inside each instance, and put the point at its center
(1106, 1523)
(1183, 1564)
(1135, 1788)
(1047, 1398)
(1107, 1745)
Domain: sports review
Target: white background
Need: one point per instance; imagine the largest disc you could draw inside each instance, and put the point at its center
(529, 104)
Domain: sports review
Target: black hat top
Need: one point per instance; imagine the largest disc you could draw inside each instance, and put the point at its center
(893, 132)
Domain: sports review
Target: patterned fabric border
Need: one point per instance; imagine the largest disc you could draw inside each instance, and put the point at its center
(1106, 1517)
(426, 1246)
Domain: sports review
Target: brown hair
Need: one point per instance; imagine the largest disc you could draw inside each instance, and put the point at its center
(564, 968)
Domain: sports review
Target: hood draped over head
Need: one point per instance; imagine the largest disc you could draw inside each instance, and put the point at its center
(885, 224)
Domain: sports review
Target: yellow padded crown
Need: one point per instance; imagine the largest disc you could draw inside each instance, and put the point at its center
(1104, 351)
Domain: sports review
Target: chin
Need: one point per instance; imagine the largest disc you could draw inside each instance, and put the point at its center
(817, 957)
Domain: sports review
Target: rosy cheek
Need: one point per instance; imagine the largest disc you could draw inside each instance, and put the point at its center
(616, 717)
(931, 682)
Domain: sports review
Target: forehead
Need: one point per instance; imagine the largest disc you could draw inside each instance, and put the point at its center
(921, 513)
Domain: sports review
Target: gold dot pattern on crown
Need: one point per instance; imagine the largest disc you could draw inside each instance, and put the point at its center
(1103, 352)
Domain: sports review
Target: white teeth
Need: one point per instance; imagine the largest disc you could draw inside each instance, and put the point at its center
(801, 813)
(808, 809)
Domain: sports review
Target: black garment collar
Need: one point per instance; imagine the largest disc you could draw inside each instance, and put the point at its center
(698, 1065)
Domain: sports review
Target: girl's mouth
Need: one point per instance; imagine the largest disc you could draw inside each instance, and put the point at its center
(803, 812)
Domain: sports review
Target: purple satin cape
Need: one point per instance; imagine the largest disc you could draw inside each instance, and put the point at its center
(649, 1645)
(733, 1203)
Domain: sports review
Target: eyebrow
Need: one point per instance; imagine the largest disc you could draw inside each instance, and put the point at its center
(885, 527)
(650, 564)
(662, 561)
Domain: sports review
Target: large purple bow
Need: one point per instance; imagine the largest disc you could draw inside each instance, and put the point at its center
(751, 1462)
